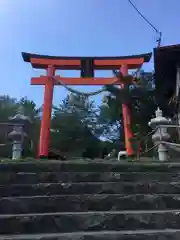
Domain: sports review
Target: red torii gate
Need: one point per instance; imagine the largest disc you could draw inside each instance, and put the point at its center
(87, 65)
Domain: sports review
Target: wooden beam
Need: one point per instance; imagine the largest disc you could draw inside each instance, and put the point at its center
(73, 64)
(55, 62)
(42, 80)
(119, 62)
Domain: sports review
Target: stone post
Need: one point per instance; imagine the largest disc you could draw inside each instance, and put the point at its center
(160, 134)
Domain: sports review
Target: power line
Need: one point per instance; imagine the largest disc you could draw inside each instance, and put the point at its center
(145, 18)
(148, 22)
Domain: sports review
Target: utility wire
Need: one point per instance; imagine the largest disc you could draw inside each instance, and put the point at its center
(143, 16)
(148, 22)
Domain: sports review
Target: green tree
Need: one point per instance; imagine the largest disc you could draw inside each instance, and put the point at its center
(33, 129)
(110, 120)
(8, 107)
(139, 96)
(73, 126)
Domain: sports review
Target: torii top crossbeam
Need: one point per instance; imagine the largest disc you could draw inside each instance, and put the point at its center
(87, 66)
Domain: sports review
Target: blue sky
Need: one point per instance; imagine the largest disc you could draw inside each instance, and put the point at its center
(75, 28)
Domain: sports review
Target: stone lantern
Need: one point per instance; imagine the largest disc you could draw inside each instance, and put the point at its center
(160, 134)
(19, 121)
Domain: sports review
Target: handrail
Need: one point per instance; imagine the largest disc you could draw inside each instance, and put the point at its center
(12, 124)
(169, 144)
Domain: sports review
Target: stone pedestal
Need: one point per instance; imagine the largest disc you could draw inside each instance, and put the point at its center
(16, 150)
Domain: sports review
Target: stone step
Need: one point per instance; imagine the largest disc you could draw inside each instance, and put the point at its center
(89, 221)
(84, 203)
(165, 234)
(90, 188)
(88, 166)
(44, 177)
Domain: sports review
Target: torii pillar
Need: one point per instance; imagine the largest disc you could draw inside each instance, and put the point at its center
(46, 114)
(87, 65)
(126, 113)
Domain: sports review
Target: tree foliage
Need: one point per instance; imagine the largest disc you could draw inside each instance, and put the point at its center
(140, 98)
(73, 127)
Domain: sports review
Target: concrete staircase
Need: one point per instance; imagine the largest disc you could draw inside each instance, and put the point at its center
(89, 201)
